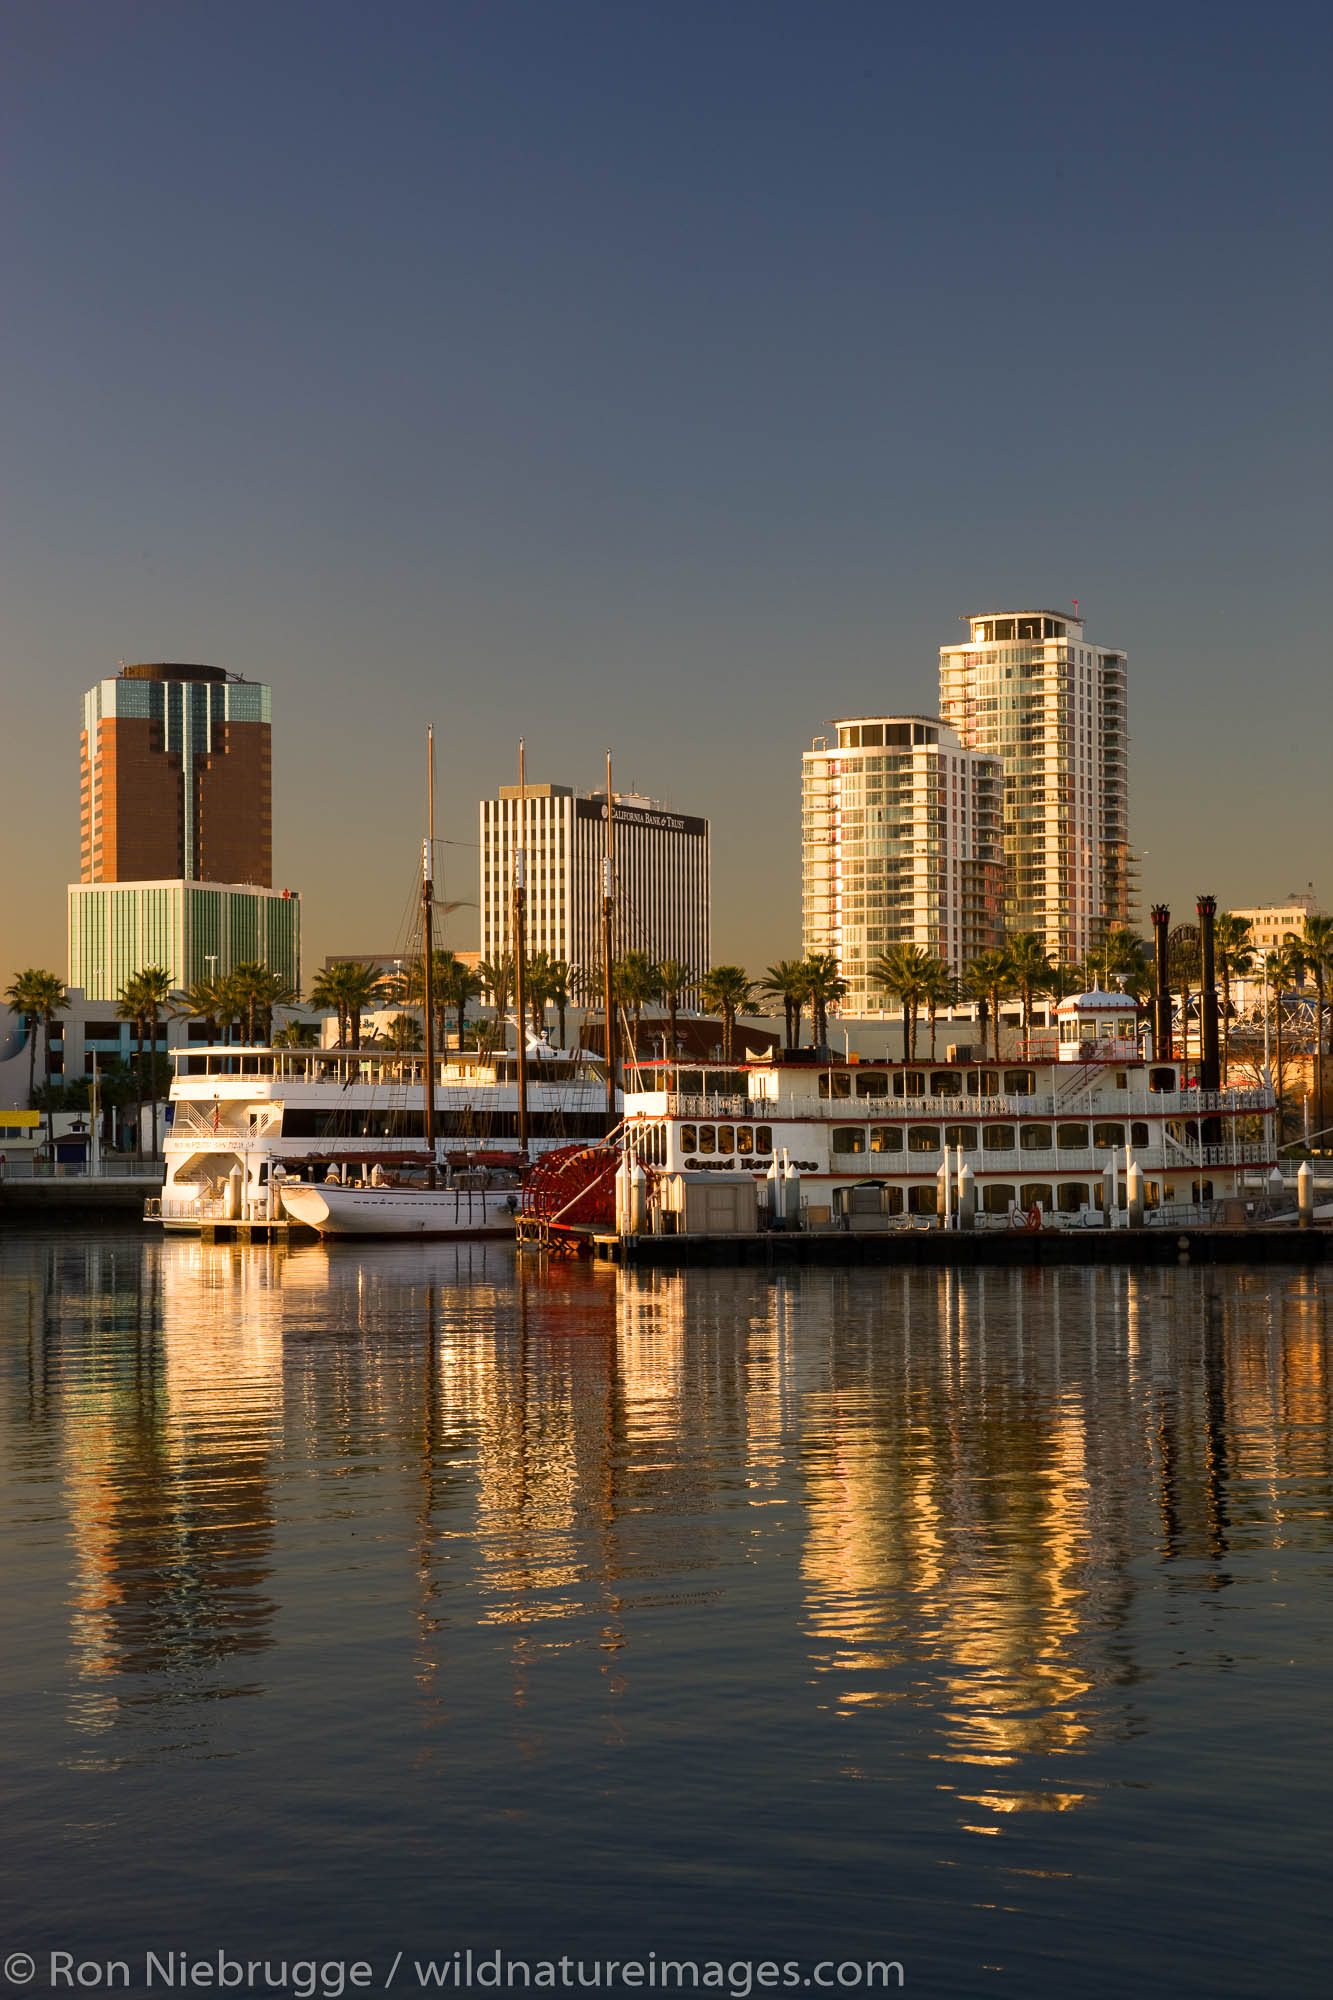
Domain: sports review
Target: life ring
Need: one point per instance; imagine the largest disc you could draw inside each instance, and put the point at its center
(1032, 1220)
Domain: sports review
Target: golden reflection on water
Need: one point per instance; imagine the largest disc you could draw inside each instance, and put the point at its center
(955, 1479)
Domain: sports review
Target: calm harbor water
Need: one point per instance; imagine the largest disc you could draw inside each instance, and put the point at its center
(418, 1599)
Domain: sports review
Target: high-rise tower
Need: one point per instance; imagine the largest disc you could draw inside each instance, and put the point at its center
(176, 777)
(900, 844)
(176, 832)
(1028, 687)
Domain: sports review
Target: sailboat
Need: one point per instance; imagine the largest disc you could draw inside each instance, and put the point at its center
(460, 1203)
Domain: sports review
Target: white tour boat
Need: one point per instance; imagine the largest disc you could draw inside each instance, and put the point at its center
(256, 1131)
(1074, 1131)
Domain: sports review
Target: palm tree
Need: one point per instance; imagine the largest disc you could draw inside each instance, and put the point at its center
(1280, 969)
(537, 986)
(726, 989)
(558, 983)
(154, 984)
(1235, 957)
(495, 975)
(1314, 949)
(296, 1035)
(130, 1007)
(351, 988)
(200, 1002)
(36, 996)
(635, 983)
(673, 978)
(903, 971)
(403, 1033)
(825, 987)
(44, 997)
(789, 981)
(459, 985)
(1031, 968)
(990, 978)
(942, 990)
(260, 991)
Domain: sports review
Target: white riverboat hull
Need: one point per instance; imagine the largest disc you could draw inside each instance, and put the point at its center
(372, 1211)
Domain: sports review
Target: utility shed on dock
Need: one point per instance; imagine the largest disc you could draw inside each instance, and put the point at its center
(703, 1204)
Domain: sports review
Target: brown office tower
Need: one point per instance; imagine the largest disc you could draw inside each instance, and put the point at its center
(176, 778)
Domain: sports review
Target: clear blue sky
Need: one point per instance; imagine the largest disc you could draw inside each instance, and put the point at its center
(670, 376)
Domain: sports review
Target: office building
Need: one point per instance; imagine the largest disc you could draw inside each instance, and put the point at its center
(1029, 688)
(1272, 923)
(900, 841)
(175, 778)
(196, 930)
(662, 884)
(176, 832)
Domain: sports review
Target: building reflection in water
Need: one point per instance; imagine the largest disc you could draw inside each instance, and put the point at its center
(947, 1483)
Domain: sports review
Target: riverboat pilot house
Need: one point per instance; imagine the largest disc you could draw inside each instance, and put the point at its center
(1046, 1137)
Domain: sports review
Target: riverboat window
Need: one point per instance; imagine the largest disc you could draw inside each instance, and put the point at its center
(873, 1083)
(763, 1138)
(886, 1139)
(961, 1135)
(923, 1138)
(1108, 1135)
(1201, 1190)
(689, 1138)
(893, 1200)
(745, 1138)
(849, 1138)
(1034, 1138)
(923, 1200)
(707, 1139)
(1160, 1080)
(998, 1138)
(726, 1138)
(1071, 1196)
(998, 1197)
(690, 1082)
(1035, 1194)
(835, 1083)
(1072, 1137)
(1019, 1082)
(909, 1083)
(946, 1083)
(1138, 1132)
(990, 1083)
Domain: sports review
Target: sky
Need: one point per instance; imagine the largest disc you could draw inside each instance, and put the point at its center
(671, 378)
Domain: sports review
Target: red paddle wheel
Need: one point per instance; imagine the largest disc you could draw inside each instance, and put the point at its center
(568, 1195)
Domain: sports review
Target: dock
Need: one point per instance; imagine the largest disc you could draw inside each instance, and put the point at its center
(1205, 1244)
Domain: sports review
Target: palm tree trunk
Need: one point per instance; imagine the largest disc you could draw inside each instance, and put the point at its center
(560, 1016)
(34, 1022)
(995, 1022)
(138, 1090)
(152, 1074)
(672, 1010)
(1277, 1044)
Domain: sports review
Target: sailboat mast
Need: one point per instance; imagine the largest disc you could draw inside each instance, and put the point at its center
(608, 956)
(428, 956)
(520, 954)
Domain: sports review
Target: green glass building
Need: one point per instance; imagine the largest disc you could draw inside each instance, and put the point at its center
(194, 929)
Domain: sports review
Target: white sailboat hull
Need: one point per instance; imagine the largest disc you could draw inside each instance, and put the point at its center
(371, 1211)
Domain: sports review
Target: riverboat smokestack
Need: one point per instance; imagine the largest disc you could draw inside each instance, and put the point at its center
(1161, 920)
(1210, 1062)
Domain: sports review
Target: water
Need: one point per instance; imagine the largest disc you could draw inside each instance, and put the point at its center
(412, 1600)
